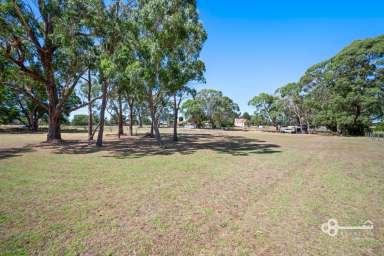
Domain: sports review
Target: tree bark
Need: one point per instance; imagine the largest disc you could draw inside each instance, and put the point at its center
(151, 133)
(155, 124)
(99, 141)
(299, 118)
(120, 118)
(140, 117)
(130, 103)
(308, 128)
(35, 120)
(157, 133)
(90, 114)
(175, 117)
(301, 125)
(54, 131)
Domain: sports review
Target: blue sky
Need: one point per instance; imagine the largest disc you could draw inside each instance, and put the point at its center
(258, 46)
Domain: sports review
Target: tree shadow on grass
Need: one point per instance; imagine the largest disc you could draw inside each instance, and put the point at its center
(44, 130)
(140, 146)
(13, 152)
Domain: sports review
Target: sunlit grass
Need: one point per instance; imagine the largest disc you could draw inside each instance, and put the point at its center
(225, 195)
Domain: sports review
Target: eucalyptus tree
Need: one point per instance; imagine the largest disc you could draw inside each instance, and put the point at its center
(28, 113)
(269, 106)
(347, 90)
(90, 89)
(212, 106)
(163, 27)
(18, 104)
(45, 43)
(219, 110)
(193, 111)
(180, 95)
(128, 80)
(115, 25)
(136, 105)
(226, 112)
(293, 100)
(117, 106)
(182, 68)
(8, 110)
(141, 111)
(209, 99)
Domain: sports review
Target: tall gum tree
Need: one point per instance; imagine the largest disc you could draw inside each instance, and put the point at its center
(347, 90)
(111, 30)
(46, 43)
(163, 26)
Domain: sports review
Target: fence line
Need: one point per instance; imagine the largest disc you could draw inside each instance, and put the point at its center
(379, 136)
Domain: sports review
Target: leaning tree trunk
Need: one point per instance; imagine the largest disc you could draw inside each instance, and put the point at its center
(90, 114)
(99, 141)
(175, 117)
(155, 124)
(54, 131)
(120, 118)
(157, 131)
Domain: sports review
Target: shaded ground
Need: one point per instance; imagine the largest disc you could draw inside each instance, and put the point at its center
(141, 146)
(211, 193)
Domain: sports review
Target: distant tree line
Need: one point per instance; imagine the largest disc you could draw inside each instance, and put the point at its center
(344, 94)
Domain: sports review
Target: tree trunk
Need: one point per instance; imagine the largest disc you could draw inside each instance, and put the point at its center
(35, 120)
(54, 131)
(90, 114)
(155, 124)
(175, 117)
(120, 118)
(157, 133)
(301, 125)
(140, 117)
(151, 133)
(99, 141)
(213, 126)
(130, 103)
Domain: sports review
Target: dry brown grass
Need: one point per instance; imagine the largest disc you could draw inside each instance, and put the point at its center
(212, 193)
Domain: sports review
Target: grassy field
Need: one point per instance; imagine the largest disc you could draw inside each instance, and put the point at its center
(212, 193)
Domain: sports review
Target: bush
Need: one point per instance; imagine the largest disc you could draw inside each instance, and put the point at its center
(82, 120)
(379, 127)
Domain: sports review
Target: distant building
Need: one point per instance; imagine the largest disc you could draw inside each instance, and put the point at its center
(241, 122)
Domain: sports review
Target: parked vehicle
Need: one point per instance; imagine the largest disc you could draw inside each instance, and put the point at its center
(294, 129)
(289, 129)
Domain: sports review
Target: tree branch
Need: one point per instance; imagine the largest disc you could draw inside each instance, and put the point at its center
(24, 91)
(35, 75)
(67, 91)
(94, 131)
(30, 32)
(85, 104)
